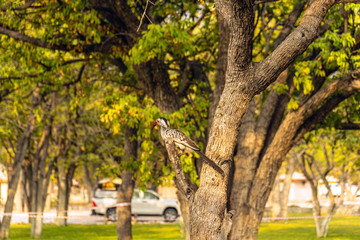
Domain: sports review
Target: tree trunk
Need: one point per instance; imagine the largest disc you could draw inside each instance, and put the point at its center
(221, 66)
(14, 172)
(63, 147)
(41, 181)
(89, 183)
(5, 225)
(126, 189)
(123, 210)
(185, 213)
(280, 201)
(153, 77)
(65, 177)
(61, 213)
(275, 198)
(343, 181)
(284, 195)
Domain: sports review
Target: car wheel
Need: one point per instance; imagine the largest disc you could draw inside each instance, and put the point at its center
(170, 214)
(111, 214)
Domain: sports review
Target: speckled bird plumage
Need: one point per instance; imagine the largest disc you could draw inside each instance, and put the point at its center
(182, 141)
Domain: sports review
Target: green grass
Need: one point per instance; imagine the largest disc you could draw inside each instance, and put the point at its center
(341, 228)
(97, 232)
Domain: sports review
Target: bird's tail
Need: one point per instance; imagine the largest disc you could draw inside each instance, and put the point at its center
(211, 163)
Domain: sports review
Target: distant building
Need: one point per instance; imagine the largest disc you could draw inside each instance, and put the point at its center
(18, 200)
(300, 190)
(3, 184)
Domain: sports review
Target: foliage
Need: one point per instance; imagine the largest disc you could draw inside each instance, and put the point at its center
(128, 109)
(339, 145)
(331, 55)
(159, 40)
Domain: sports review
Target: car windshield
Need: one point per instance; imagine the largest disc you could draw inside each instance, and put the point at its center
(101, 193)
(149, 195)
(104, 194)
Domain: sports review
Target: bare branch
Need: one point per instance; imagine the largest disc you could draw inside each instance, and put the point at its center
(144, 14)
(12, 122)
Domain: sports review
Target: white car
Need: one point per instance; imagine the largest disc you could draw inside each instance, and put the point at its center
(147, 203)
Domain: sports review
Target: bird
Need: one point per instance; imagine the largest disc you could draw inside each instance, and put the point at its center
(182, 141)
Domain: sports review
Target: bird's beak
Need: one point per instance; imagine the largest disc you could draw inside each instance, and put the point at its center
(154, 124)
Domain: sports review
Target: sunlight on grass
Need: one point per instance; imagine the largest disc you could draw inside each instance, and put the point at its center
(341, 228)
(98, 232)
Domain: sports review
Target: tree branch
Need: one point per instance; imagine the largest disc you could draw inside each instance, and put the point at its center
(293, 45)
(316, 114)
(184, 184)
(348, 126)
(44, 44)
(35, 41)
(12, 122)
(314, 102)
(20, 7)
(144, 14)
(290, 22)
(264, 1)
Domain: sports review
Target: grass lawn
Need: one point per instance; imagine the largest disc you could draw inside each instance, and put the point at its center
(97, 232)
(341, 228)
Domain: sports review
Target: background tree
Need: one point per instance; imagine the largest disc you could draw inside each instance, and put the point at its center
(37, 169)
(14, 165)
(280, 197)
(316, 171)
(170, 50)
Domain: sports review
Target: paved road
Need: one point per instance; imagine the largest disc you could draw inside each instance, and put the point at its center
(79, 217)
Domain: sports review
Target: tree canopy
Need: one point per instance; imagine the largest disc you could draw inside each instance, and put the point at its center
(245, 79)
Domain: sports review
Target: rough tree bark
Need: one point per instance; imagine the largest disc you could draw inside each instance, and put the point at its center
(126, 189)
